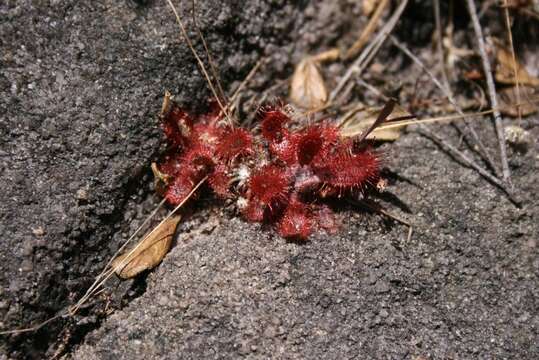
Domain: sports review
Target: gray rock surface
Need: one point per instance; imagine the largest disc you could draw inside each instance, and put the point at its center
(464, 286)
(80, 85)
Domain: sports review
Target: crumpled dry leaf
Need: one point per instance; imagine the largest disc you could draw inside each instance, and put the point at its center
(308, 89)
(361, 120)
(505, 72)
(149, 252)
(508, 101)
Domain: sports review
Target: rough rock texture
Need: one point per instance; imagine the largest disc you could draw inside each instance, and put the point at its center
(80, 84)
(464, 286)
(80, 87)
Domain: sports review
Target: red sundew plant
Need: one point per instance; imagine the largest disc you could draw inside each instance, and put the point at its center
(278, 174)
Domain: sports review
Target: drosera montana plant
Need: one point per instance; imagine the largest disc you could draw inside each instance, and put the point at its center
(277, 173)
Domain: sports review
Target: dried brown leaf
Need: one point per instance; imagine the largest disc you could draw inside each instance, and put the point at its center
(308, 89)
(505, 69)
(385, 134)
(149, 252)
(509, 104)
(363, 119)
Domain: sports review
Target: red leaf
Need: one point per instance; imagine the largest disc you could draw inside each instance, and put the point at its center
(314, 142)
(285, 149)
(219, 182)
(254, 211)
(345, 171)
(273, 121)
(178, 190)
(237, 142)
(171, 165)
(269, 184)
(201, 159)
(296, 221)
(177, 126)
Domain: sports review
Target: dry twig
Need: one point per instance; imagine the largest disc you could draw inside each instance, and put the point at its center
(439, 42)
(491, 90)
(246, 80)
(370, 51)
(213, 67)
(447, 92)
(199, 61)
(35, 327)
(234, 98)
(445, 145)
(512, 48)
(106, 274)
(447, 118)
(459, 154)
(367, 31)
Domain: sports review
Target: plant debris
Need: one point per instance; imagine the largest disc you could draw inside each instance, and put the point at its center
(518, 137)
(505, 69)
(509, 101)
(149, 252)
(307, 89)
(357, 122)
(370, 28)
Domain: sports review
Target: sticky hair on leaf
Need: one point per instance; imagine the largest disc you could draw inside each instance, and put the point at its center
(285, 149)
(205, 134)
(297, 221)
(201, 159)
(177, 126)
(306, 182)
(178, 190)
(236, 142)
(346, 171)
(219, 182)
(254, 211)
(301, 165)
(269, 184)
(171, 164)
(273, 121)
(310, 143)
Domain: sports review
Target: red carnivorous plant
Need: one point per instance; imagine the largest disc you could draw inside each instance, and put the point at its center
(277, 173)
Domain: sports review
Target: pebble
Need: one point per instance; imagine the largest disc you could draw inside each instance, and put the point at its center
(82, 194)
(381, 287)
